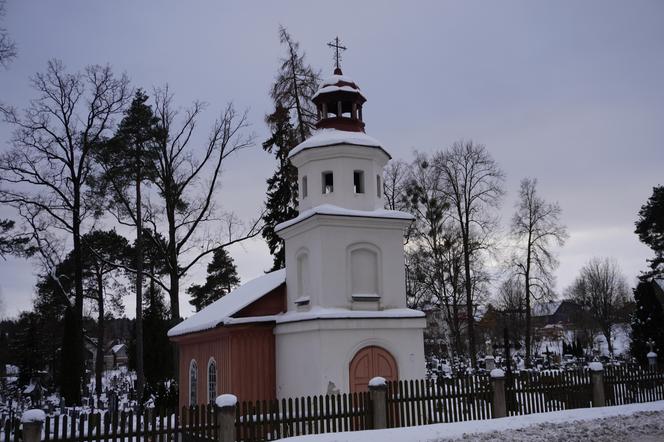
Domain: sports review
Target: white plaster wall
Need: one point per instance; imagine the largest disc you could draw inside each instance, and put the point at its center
(310, 354)
(327, 240)
(342, 161)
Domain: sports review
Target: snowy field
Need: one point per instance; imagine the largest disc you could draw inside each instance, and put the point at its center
(626, 423)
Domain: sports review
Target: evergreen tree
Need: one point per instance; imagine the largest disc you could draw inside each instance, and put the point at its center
(295, 85)
(222, 278)
(28, 346)
(650, 228)
(647, 321)
(282, 189)
(12, 244)
(128, 159)
(292, 121)
(156, 321)
(102, 251)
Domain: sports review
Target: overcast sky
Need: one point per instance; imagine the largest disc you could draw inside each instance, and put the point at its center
(569, 92)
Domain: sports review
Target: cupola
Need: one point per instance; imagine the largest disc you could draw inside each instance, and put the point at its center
(339, 102)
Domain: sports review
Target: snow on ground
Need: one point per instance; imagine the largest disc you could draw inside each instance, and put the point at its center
(627, 423)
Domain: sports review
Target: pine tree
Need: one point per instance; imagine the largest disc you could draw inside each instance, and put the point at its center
(282, 189)
(128, 160)
(222, 278)
(295, 85)
(11, 243)
(28, 347)
(647, 321)
(292, 121)
(650, 229)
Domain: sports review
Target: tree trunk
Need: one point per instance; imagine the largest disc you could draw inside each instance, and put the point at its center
(527, 295)
(140, 375)
(607, 336)
(174, 288)
(469, 298)
(75, 364)
(99, 359)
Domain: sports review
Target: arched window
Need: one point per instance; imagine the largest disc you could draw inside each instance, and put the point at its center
(364, 272)
(193, 382)
(304, 187)
(379, 187)
(212, 380)
(328, 182)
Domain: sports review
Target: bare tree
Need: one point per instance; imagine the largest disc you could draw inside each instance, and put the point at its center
(294, 86)
(7, 45)
(472, 185)
(511, 302)
(47, 171)
(187, 188)
(536, 229)
(602, 291)
(395, 180)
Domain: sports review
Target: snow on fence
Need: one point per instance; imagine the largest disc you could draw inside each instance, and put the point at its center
(271, 420)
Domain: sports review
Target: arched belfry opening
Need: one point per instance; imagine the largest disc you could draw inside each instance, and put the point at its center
(339, 102)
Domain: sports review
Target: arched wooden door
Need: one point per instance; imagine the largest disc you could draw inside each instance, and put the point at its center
(368, 363)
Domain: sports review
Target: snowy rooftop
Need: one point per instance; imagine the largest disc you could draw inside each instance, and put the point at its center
(332, 137)
(329, 209)
(318, 312)
(222, 309)
(335, 79)
(333, 88)
(117, 347)
(546, 308)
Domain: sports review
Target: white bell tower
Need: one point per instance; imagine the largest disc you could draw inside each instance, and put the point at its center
(345, 273)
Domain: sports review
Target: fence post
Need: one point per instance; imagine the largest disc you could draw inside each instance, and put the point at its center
(226, 404)
(33, 421)
(597, 382)
(498, 383)
(378, 392)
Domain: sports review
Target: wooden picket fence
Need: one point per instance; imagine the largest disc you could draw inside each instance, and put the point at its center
(407, 403)
(540, 392)
(629, 386)
(271, 420)
(194, 424)
(424, 402)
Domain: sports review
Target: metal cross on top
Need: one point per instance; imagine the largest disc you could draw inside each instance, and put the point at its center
(336, 44)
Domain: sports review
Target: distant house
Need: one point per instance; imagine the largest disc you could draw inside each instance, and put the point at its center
(116, 356)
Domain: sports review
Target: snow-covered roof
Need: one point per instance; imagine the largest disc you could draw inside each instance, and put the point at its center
(329, 209)
(545, 308)
(222, 309)
(332, 137)
(318, 312)
(334, 88)
(334, 79)
(117, 347)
